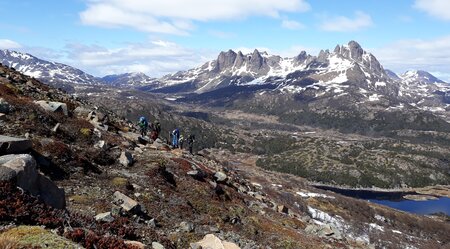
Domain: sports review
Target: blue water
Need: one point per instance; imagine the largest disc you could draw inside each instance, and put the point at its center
(418, 207)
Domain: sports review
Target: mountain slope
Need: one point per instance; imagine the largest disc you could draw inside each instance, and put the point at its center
(419, 77)
(56, 74)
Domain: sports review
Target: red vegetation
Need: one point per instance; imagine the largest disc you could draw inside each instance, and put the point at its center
(23, 209)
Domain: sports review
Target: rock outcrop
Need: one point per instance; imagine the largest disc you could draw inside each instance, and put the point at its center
(12, 145)
(22, 170)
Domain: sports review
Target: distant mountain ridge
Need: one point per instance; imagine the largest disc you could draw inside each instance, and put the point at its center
(136, 79)
(56, 74)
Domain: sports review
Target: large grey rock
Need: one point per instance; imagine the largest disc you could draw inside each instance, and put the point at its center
(22, 170)
(210, 241)
(126, 159)
(81, 111)
(13, 145)
(125, 202)
(5, 107)
(53, 106)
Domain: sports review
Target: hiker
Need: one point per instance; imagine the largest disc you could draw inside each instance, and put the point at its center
(143, 126)
(181, 141)
(157, 127)
(190, 141)
(153, 134)
(175, 137)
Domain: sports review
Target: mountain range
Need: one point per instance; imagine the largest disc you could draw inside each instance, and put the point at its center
(348, 75)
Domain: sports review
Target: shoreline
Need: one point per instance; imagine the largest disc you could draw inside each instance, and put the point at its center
(432, 191)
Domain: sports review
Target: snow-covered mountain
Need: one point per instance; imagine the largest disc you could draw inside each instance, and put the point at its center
(346, 63)
(128, 80)
(419, 77)
(56, 74)
(349, 78)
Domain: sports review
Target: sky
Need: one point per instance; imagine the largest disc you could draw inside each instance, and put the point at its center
(158, 37)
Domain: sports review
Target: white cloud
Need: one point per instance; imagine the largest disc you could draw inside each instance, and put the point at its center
(8, 44)
(346, 24)
(431, 55)
(176, 16)
(437, 8)
(294, 25)
(155, 58)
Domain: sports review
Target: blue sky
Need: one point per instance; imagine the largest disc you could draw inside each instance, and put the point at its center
(160, 37)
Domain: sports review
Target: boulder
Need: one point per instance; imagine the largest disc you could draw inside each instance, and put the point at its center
(12, 145)
(81, 111)
(2, 116)
(186, 227)
(125, 202)
(130, 136)
(282, 209)
(22, 170)
(156, 245)
(53, 106)
(101, 145)
(5, 107)
(106, 217)
(126, 159)
(210, 241)
(135, 244)
(220, 176)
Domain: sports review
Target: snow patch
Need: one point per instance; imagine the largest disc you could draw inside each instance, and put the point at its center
(377, 84)
(374, 97)
(313, 195)
(376, 227)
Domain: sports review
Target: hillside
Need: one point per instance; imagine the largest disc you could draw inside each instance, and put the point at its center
(163, 198)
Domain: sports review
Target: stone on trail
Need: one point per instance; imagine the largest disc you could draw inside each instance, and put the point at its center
(125, 202)
(106, 217)
(210, 241)
(126, 159)
(5, 107)
(220, 176)
(12, 145)
(156, 245)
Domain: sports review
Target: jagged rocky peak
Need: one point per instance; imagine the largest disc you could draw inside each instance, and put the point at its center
(355, 52)
(323, 56)
(256, 60)
(351, 51)
(225, 60)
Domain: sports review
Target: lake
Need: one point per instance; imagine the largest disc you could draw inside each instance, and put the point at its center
(395, 200)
